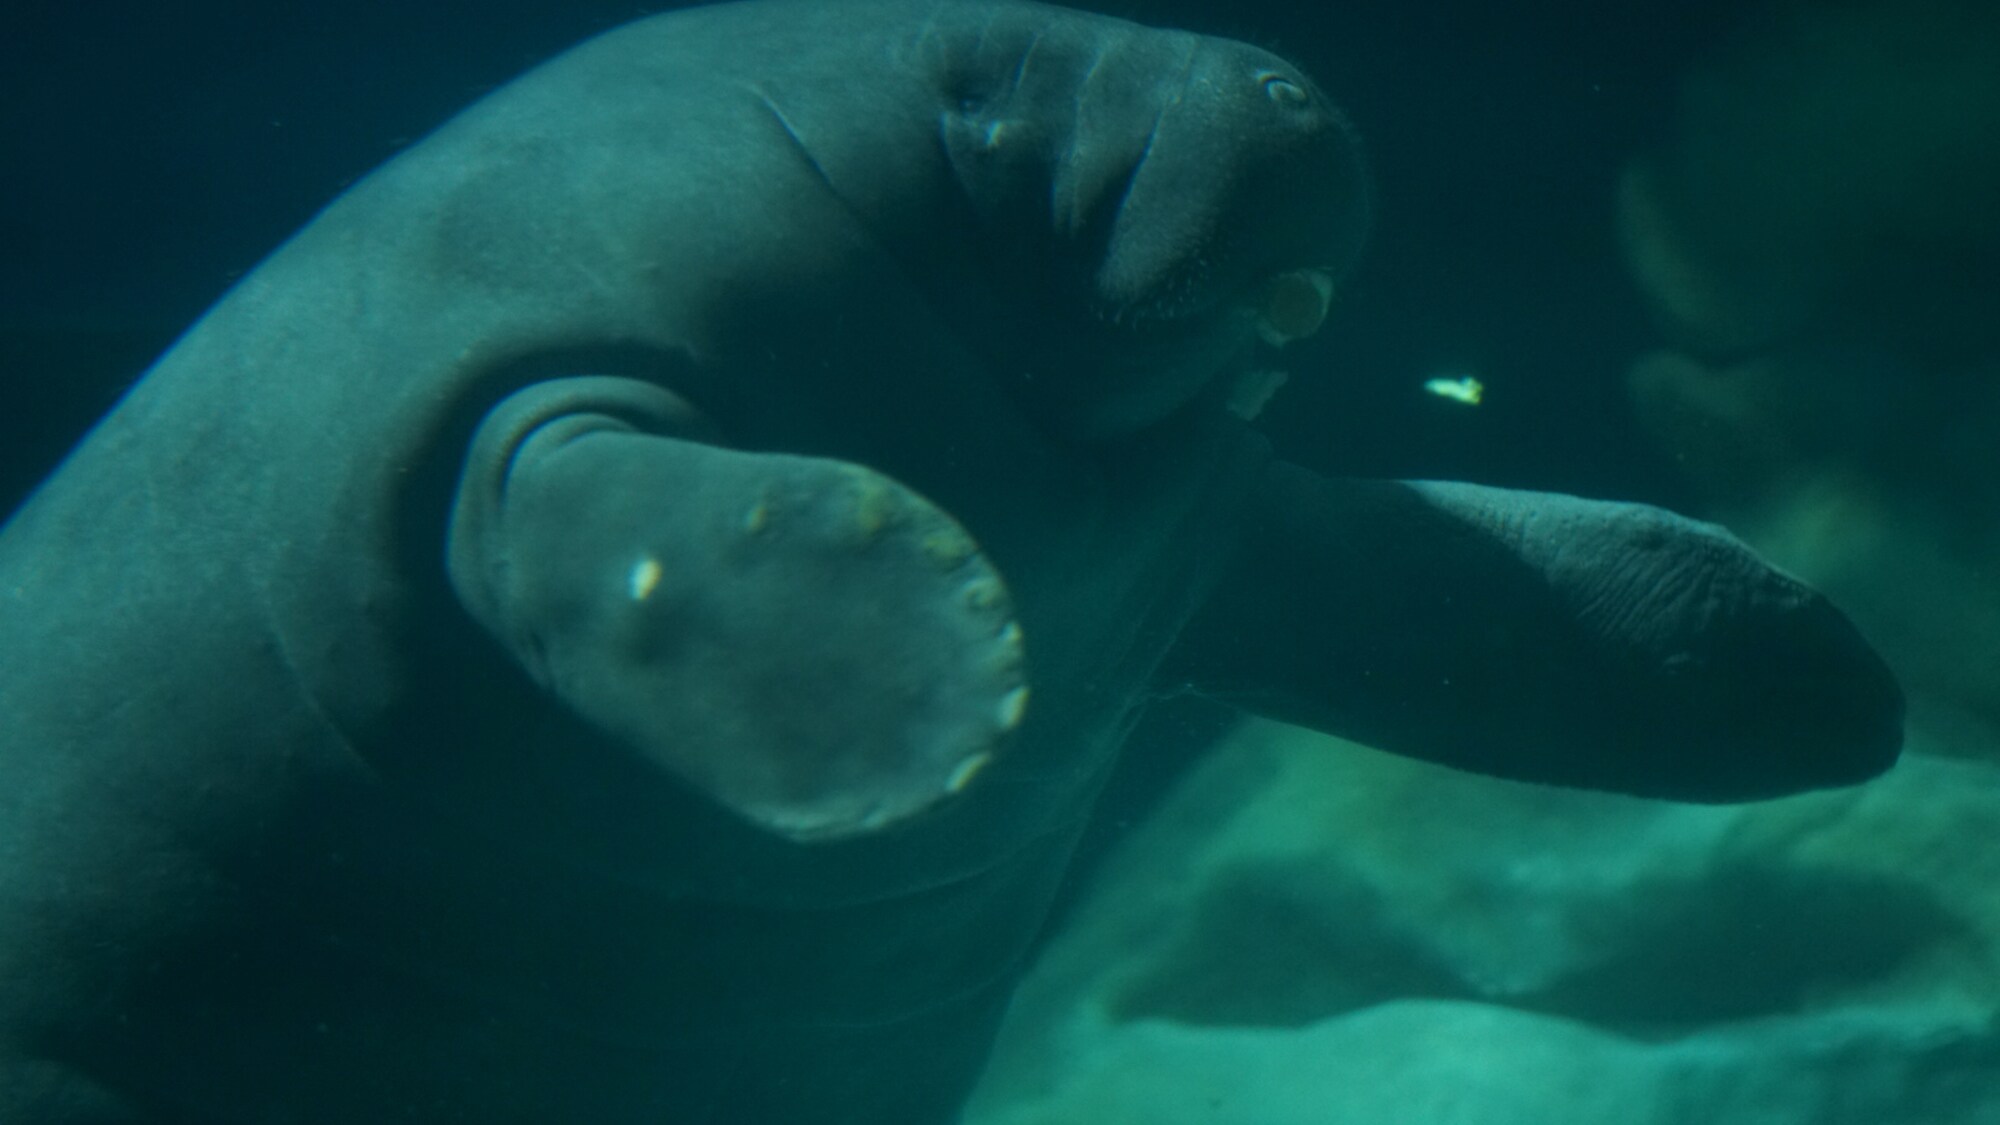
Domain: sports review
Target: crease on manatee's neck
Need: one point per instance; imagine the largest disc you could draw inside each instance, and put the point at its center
(1020, 75)
(798, 143)
(861, 217)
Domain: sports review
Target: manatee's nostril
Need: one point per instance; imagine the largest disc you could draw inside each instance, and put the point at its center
(1281, 89)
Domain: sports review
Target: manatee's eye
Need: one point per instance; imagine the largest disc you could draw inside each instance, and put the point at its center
(1281, 89)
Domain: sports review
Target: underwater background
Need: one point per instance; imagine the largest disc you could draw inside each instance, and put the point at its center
(1741, 259)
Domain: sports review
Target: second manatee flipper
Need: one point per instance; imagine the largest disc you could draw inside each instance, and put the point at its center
(1545, 637)
(805, 641)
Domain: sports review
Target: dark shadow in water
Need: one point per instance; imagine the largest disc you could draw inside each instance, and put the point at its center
(1679, 956)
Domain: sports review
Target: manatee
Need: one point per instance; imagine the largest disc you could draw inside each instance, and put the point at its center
(624, 617)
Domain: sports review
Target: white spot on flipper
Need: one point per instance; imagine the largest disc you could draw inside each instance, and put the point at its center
(645, 577)
(981, 593)
(947, 547)
(1013, 707)
(875, 815)
(967, 770)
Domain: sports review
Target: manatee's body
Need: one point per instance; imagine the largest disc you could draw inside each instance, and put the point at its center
(492, 670)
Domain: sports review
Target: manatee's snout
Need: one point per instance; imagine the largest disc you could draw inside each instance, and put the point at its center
(1251, 178)
(1204, 196)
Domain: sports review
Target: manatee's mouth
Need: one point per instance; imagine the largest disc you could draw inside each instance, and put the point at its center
(1288, 307)
(1225, 356)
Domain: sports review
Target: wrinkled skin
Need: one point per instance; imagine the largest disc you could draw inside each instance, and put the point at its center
(623, 618)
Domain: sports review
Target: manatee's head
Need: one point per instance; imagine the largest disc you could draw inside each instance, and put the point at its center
(1177, 200)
